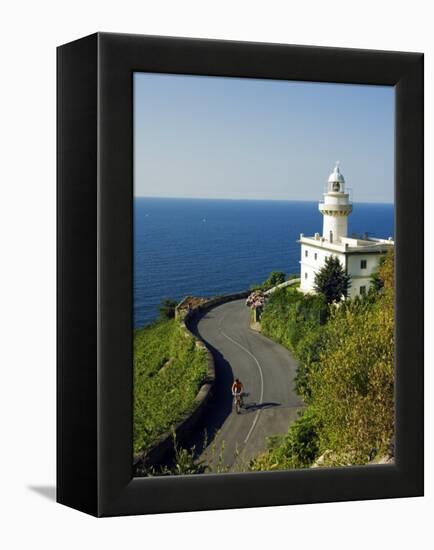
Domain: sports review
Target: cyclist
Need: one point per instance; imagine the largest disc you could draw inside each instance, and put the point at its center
(237, 390)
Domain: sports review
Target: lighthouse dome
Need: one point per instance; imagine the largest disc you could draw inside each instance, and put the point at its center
(336, 181)
(336, 176)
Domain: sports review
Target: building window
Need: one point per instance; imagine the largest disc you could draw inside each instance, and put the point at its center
(306, 253)
(363, 290)
(305, 274)
(362, 264)
(316, 256)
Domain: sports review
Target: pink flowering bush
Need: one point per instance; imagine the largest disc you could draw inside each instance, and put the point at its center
(255, 300)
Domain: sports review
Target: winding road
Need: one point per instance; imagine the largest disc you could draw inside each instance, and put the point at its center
(267, 371)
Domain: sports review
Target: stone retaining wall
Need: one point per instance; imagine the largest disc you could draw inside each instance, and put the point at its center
(163, 447)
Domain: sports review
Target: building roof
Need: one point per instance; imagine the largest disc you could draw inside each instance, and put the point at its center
(349, 245)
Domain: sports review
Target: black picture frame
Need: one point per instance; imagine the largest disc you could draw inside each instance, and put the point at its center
(95, 258)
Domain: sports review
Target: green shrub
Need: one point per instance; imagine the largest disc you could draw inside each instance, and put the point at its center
(275, 278)
(298, 449)
(308, 354)
(289, 316)
(167, 309)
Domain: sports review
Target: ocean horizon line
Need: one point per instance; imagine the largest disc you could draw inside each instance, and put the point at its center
(231, 199)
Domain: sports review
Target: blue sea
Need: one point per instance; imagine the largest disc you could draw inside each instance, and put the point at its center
(206, 247)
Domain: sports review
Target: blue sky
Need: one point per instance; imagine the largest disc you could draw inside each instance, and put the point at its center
(244, 138)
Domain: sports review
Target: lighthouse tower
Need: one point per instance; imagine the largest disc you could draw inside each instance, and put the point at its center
(335, 208)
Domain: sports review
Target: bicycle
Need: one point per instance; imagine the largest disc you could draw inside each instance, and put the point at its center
(238, 402)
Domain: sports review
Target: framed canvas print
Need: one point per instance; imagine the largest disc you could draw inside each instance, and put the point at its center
(240, 274)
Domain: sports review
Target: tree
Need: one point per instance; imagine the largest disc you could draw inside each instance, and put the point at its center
(332, 281)
(386, 271)
(167, 308)
(382, 280)
(275, 278)
(377, 282)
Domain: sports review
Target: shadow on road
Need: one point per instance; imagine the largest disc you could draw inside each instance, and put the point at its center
(220, 406)
(251, 407)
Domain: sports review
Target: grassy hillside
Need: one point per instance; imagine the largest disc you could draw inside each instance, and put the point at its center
(345, 376)
(168, 371)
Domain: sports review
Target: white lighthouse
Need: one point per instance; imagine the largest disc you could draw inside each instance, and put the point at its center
(335, 208)
(359, 256)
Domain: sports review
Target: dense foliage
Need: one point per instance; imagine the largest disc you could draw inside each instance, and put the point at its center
(345, 375)
(275, 278)
(290, 316)
(376, 281)
(298, 449)
(332, 281)
(168, 371)
(167, 309)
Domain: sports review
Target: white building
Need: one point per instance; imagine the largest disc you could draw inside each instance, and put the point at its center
(359, 257)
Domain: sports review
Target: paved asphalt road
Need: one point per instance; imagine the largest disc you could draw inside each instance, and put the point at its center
(267, 372)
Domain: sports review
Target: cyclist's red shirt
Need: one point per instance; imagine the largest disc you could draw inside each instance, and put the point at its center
(237, 387)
